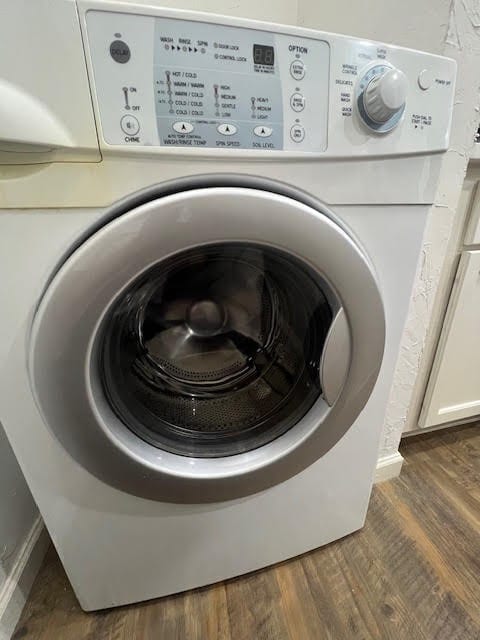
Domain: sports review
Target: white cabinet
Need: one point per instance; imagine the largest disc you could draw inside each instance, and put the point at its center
(453, 391)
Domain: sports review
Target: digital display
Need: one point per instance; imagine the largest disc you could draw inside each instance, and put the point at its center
(263, 54)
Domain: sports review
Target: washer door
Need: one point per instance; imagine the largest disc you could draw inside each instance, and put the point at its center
(208, 344)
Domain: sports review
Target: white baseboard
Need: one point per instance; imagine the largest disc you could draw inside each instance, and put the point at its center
(388, 467)
(18, 584)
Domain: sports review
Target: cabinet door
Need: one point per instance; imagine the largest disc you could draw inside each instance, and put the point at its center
(453, 391)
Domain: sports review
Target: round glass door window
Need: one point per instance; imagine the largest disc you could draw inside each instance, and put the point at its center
(215, 351)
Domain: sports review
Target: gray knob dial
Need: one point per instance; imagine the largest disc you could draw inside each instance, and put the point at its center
(385, 95)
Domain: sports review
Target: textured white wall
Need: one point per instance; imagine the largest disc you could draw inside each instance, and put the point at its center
(446, 27)
(418, 24)
(283, 11)
(444, 226)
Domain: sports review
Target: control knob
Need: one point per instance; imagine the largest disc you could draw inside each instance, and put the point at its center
(385, 95)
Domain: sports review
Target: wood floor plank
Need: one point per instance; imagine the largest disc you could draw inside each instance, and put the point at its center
(206, 613)
(412, 573)
(331, 594)
(162, 619)
(465, 502)
(299, 608)
(54, 607)
(451, 541)
(426, 578)
(254, 607)
(405, 568)
(368, 625)
(467, 452)
(385, 600)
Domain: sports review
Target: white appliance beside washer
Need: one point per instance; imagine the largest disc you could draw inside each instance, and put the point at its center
(202, 311)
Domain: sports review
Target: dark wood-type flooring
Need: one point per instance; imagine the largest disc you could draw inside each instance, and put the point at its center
(412, 573)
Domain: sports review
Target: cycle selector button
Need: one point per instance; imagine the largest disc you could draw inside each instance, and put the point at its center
(263, 131)
(385, 95)
(227, 129)
(130, 125)
(183, 127)
(297, 133)
(297, 102)
(297, 69)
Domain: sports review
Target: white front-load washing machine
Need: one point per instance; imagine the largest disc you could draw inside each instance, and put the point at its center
(207, 259)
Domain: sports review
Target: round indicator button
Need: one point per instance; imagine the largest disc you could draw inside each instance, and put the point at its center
(183, 127)
(297, 102)
(425, 79)
(130, 125)
(297, 133)
(297, 69)
(263, 131)
(227, 129)
(120, 51)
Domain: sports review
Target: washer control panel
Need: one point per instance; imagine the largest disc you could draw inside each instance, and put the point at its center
(165, 81)
(182, 83)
